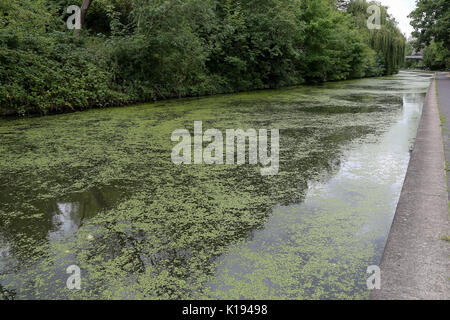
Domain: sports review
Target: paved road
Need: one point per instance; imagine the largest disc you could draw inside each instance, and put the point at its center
(416, 262)
(443, 84)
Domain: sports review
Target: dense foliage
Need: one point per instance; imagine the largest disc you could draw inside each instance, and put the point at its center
(140, 50)
(388, 42)
(431, 21)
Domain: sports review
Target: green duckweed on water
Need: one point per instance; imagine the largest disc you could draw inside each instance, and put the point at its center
(98, 189)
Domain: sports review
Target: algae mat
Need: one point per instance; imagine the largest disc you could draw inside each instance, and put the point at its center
(98, 189)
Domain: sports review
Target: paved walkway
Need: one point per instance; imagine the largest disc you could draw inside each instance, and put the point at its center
(416, 262)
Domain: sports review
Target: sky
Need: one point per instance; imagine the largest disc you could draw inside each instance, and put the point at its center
(400, 9)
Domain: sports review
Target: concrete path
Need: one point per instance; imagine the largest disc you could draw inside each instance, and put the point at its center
(416, 262)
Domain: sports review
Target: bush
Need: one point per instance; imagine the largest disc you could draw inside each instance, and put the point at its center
(53, 73)
(141, 50)
(436, 56)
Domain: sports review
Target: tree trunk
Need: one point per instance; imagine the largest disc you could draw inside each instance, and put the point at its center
(84, 8)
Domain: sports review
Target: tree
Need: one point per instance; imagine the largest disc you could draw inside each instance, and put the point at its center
(140, 50)
(388, 41)
(431, 21)
(84, 8)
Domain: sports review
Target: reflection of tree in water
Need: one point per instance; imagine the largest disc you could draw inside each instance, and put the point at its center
(54, 220)
(68, 217)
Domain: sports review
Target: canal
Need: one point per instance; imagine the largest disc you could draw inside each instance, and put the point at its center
(98, 189)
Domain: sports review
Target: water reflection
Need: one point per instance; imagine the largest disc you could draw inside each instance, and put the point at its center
(68, 215)
(66, 220)
(52, 220)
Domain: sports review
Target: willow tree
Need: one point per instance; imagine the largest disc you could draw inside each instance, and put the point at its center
(387, 40)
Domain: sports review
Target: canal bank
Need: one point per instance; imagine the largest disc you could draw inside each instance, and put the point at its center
(415, 263)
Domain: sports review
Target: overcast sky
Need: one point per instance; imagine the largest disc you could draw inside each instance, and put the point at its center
(400, 9)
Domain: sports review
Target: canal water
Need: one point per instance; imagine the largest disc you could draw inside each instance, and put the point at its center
(98, 189)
